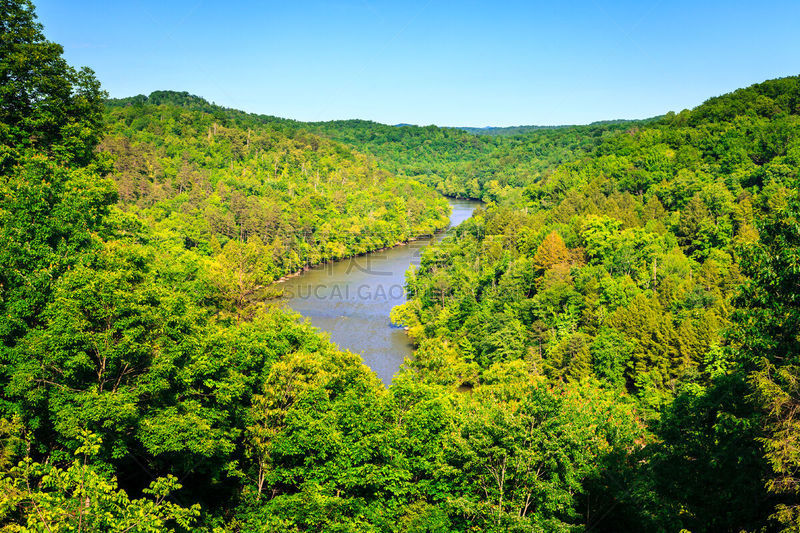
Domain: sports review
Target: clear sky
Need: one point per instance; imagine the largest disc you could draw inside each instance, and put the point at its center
(459, 63)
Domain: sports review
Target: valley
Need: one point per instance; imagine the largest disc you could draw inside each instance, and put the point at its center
(222, 321)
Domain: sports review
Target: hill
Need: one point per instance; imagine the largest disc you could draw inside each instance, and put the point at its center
(626, 266)
(610, 345)
(208, 180)
(458, 163)
(520, 130)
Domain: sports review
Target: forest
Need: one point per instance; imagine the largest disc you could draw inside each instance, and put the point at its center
(609, 344)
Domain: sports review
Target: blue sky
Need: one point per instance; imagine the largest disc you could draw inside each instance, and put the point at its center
(432, 62)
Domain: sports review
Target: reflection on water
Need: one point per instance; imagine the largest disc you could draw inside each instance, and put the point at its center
(351, 299)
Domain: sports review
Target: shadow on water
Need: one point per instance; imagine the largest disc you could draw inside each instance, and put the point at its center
(351, 299)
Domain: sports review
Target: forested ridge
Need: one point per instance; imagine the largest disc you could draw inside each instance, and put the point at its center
(609, 345)
(663, 266)
(520, 130)
(462, 164)
(242, 200)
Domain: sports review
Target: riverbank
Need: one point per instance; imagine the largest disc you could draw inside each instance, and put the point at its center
(351, 299)
(410, 240)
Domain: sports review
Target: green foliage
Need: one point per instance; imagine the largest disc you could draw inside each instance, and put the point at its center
(706, 472)
(767, 322)
(625, 265)
(462, 164)
(519, 463)
(42, 497)
(50, 122)
(421, 459)
(50, 218)
(570, 371)
(228, 188)
(46, 106)
(652, 262)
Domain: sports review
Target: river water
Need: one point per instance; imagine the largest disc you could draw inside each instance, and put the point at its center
(351, 299)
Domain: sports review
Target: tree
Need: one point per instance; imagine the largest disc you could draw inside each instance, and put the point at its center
(551, 252)
(46, 105)
(611, 352)
(36, 497)
(524, 450)
(696, 227)
(288, 379)
(766, 326)
(570, 358)
(654, 360)
(238, 273)
(705, 470)
(50, 207)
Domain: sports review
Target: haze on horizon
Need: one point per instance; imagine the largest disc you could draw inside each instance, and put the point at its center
(451, 64)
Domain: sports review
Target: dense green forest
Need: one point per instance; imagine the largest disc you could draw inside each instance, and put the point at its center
(520, 130)
(458, 163)
(662, 266)
(609, 345)
(239, 201)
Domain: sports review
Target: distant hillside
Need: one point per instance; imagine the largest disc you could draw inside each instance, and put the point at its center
(488, 163)
(188, 101)
(508, 131)
(460, 163)
(207, 179)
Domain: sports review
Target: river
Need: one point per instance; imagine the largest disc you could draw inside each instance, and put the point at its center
(351, 299)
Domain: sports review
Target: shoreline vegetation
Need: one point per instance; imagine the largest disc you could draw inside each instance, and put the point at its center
(306, 268)
(625, 307)
(440, 230)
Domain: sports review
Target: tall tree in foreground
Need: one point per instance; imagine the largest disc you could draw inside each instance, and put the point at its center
(45, 105)
(51, 203)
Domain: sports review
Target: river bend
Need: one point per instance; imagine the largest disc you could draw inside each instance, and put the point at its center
(351, 299)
